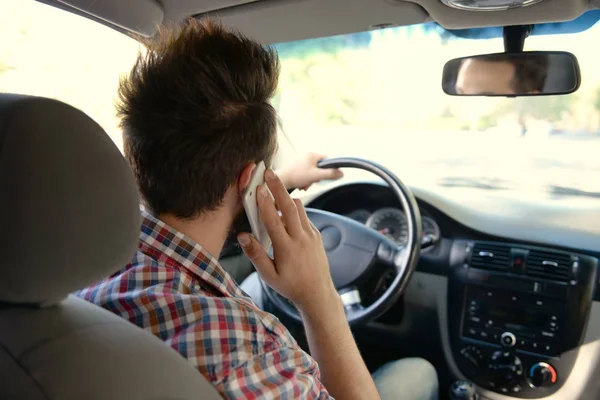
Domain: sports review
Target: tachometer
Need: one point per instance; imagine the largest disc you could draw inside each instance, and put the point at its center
(430, 227)
(359, 215)
(431, 233)
(391, 222)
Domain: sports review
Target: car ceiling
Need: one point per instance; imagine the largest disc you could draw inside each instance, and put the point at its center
(274, 21)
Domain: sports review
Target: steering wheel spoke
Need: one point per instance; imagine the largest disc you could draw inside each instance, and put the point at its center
(389, 253)
(352, 301)
(351, 298)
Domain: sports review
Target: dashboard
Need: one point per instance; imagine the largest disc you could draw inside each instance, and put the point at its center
(512, 314)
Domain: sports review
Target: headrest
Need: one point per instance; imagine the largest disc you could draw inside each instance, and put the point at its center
(69, 213)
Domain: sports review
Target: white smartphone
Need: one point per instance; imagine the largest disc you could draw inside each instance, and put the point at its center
(250, 205)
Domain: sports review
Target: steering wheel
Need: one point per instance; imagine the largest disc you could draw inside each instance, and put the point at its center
(358, 254)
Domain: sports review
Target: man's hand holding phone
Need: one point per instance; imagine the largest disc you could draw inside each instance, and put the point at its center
(299, 269)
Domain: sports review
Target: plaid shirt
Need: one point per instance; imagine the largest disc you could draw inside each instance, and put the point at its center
(179, 292)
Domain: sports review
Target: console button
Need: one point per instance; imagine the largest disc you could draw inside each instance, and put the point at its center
(539, 303)
(547, 348)
(518, 260)
(507, 339)
(473, 307)
(471, 332)
(516, 389)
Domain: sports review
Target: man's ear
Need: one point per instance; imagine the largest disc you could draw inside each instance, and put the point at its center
(244, 177)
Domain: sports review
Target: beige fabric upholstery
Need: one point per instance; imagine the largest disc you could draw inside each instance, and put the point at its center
(68, 217)
(68, 202)
(76, 351)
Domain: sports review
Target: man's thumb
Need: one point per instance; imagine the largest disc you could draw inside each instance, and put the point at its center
(259, 257)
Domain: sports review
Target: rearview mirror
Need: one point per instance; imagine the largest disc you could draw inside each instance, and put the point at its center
(532, 73)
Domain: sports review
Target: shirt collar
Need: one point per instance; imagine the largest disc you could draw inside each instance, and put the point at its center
(186, 252)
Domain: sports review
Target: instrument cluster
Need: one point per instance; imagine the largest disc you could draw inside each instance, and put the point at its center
(391, 222)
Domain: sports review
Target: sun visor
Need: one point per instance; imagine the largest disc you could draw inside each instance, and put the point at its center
(137, 16)
(270, 22)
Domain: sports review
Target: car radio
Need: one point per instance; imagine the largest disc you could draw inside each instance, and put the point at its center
(516, 314)
(516, 320)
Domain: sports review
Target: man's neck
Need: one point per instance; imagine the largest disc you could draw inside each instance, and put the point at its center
(209, 230)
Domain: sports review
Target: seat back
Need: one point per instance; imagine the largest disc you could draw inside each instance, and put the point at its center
(69, 217)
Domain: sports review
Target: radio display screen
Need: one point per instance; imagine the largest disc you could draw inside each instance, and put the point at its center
(515, 316)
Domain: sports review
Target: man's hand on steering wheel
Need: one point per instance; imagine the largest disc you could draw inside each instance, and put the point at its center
(305, 171)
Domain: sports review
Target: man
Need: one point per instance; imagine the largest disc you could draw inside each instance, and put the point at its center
(196, 119)
(502, 76)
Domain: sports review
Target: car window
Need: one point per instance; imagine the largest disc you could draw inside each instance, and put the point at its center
(378, 95)
(52, 53)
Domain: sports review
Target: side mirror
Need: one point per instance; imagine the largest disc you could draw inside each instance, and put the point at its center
(532, 73)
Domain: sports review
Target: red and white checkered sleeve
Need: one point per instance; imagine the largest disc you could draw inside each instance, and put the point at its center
(281, 373)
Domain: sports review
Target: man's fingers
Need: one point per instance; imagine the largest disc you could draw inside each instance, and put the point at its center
(302, 215)
(284, 202)
(330, 173)
(316, 157)
(270, 216)
(259, 257)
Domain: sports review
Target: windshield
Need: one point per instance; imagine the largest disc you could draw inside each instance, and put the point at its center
(378, 95)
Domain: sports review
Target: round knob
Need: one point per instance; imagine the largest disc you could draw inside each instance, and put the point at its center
(507, 339)
(542, 374)
(463, 390)
(471, 358)
(504, 369)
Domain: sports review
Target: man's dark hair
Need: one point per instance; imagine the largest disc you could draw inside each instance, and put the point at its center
(530, 73)
(194, 111)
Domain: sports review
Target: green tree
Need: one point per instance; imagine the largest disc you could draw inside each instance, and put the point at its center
(327, 80)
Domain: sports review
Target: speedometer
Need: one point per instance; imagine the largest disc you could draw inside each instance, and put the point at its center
(391, 222)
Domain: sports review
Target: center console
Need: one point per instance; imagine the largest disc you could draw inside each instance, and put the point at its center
(514, 310)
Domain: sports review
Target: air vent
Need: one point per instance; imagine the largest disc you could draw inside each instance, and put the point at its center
(493, 256)
(549, 265)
